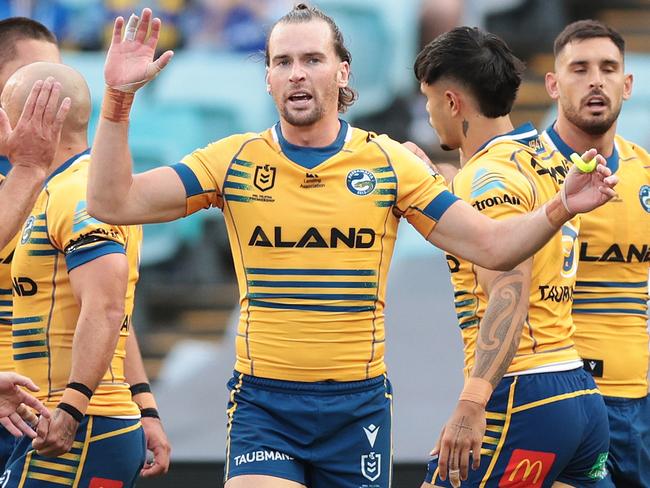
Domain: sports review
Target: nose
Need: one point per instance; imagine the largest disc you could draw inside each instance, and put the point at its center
(297, 73)
(596, 80)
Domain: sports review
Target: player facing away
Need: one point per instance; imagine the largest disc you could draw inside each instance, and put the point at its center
(610, 301)
(71, 316)
(545, 418)
(309, 400)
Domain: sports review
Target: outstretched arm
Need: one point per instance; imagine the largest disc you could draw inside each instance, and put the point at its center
(498, 340)
(115, 195)
(503, 244)
(30, 147)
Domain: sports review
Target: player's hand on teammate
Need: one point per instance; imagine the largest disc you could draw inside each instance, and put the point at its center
(461, 437)
(130, 60)
(56, 435)
(34, 139)
(15, 404)
(586, 191)
(448, 171)
(158, 444)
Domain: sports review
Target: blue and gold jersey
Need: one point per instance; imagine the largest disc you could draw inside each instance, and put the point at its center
(6, 255)
(58, 236)
(610, 308)
(511, 175)
(312, 232)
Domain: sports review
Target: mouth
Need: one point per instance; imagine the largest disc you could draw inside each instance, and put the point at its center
(596, 103)
(299, 98)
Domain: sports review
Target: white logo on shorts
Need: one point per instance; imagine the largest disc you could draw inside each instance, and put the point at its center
(371, 466)
(371, 433)
(5, 478)
(259, 456)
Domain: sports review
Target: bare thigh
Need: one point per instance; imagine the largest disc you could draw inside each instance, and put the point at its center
(260, 481)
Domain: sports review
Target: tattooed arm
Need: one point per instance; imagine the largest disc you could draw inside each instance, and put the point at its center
(497, 342)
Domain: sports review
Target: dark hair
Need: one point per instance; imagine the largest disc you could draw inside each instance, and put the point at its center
(587, 29)
(304, 13)
(480, 61)
(16, 29)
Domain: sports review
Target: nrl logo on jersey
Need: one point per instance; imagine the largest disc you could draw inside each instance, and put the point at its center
(644, 196)
(264, 177)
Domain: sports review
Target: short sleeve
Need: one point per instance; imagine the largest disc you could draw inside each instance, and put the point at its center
(496, 189)
(202, 171)
(422, 194)
(79, 236)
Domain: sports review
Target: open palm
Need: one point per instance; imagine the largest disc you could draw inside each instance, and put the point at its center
(130, 60)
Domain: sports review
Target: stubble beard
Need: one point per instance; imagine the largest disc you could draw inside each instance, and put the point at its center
(594, 126)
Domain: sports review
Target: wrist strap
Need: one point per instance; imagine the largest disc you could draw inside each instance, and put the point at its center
(81, 388)
(477, 390)
(76, 399)
(116, 105)
(556, 210)
(150, 412)
(140, 388)
(72, 410)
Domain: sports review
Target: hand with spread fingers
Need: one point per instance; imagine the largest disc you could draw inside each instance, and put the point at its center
(35, 136)
(15, 414)
(130, 60)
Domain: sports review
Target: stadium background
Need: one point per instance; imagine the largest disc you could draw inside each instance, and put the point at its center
(187, 297)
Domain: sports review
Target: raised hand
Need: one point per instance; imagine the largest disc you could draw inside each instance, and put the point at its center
(130, 60)
(35, 137)
(584, 192)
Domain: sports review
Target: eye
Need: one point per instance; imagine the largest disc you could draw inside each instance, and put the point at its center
(314, 60)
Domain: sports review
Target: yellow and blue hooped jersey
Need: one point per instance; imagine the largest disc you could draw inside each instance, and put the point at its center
(58, 236)
(6, 255)
(610, 307)
(312, 232)
(511, 175)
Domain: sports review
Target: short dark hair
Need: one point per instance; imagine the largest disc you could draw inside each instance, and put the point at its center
(587, 29)
(480, 61)
(16, 29)
(304, 13)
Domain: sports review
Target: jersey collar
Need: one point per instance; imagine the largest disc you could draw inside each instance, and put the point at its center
(67, 164)
(523, 134)
(566, 150)
(310, 157)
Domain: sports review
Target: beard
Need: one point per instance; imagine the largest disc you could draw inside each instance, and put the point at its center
(592, 125)
(303, 118)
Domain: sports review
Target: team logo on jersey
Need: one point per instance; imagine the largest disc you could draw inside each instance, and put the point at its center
(644, 196)
(371, 466)
(484, 181)
(264, 177)
(27, 230)
(361, 182)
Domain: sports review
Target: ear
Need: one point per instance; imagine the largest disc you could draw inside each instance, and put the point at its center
(552, 88)
(627, 86)
(343, 74)
(453, 102)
